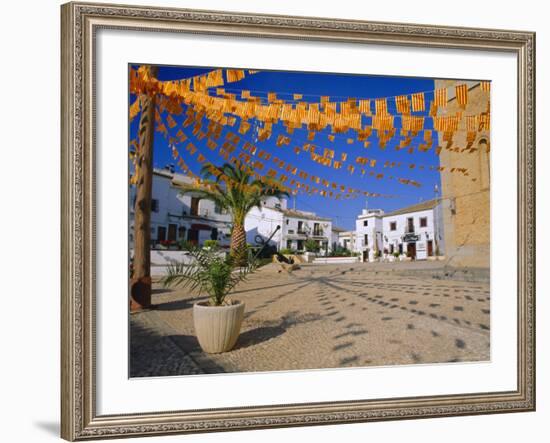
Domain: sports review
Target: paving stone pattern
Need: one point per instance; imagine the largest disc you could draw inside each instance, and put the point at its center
(322, 316)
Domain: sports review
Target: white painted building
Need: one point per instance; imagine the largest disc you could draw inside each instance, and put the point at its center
(295, 227)
(176, 217)
(335, 235)
(368, 229)
(415, 231)
(346, 239)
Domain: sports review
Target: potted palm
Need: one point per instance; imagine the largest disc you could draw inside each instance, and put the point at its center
(217, 320)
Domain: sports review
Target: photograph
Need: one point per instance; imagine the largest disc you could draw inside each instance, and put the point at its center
(293, 218)
(290, 220)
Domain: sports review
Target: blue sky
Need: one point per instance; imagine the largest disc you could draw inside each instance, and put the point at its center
(338, 87)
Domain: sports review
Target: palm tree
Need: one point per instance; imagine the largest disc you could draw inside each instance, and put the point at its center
(236, 191)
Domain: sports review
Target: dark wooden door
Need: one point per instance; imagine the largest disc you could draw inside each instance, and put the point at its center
(193, 236)
(161, 233)
(172, 232)
(411, 250)
(430, 248)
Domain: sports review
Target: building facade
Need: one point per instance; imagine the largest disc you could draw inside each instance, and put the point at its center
(415, 231)
(368, 229)
(466, 199)
(176, 217)
(296, 227)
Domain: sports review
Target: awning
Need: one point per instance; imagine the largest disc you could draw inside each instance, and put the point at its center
(201, 227)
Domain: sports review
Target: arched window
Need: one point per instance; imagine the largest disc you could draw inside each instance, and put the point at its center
(484, 163)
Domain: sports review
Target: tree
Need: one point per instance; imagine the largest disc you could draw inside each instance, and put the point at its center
(311, 245)
(236, 191)
(140, 283)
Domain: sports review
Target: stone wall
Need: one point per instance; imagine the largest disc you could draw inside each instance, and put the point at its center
(466, 199)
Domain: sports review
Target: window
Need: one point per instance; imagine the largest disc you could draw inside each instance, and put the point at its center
(300, 227)
(289, 243)
(287, 221)
(194, 206)
(410, 224)
(154, 205)
(214, 234)
(365, 223)
(181, 232)
(366, 239)
(393, 226)
(217, 209)
(317, 229)
(423, 222)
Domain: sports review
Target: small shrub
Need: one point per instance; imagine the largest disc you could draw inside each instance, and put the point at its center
(185, 245)
(311, 245)
(340, 251)
(211, 243)
(287, 251)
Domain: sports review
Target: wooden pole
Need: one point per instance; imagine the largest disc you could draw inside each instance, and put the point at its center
(140, 282)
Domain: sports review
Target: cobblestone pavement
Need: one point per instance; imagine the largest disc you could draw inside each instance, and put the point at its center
(322, 316)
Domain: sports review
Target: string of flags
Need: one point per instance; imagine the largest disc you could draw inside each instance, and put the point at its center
(142, 82)
(325, 160)
(340, 116)
(227, 149)
(226, 110)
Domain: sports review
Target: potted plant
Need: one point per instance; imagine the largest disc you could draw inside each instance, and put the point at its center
(217, 320)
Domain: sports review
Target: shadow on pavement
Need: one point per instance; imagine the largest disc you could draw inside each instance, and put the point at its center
(258, 335)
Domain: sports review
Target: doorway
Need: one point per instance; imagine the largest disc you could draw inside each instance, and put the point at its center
(172, 232)
(430, 248)
(193, 236)
(411, 250)
(161, 233)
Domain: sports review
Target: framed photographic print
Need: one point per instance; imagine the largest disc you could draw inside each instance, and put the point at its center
(282, 221)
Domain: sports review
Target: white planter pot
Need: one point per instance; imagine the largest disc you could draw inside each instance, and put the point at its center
(217, 327)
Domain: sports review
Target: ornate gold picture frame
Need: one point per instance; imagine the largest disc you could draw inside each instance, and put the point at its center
(80, 23)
